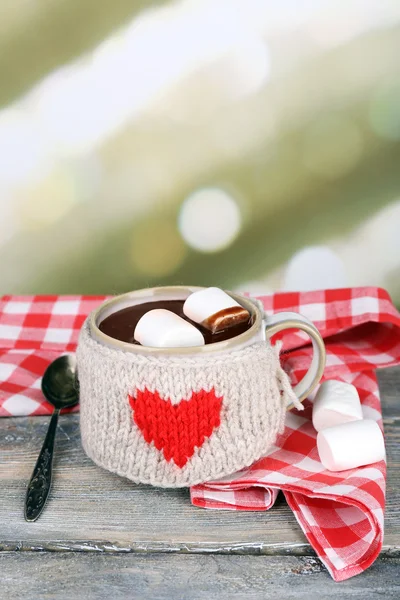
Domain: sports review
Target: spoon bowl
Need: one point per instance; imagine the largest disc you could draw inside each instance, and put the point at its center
(58, 383)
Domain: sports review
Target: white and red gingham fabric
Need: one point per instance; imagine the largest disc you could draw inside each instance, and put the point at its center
(34, 330)
(341, 514)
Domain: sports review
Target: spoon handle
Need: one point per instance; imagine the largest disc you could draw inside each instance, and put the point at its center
(40, 482)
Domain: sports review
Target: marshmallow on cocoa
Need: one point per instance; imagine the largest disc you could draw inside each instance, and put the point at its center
(214, 309)
(161, 328)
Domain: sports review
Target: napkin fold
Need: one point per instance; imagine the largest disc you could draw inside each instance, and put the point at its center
(341, 514)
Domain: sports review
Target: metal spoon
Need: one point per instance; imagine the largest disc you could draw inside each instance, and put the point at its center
(58, 387)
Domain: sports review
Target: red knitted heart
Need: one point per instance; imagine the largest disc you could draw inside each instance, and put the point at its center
(176, 429)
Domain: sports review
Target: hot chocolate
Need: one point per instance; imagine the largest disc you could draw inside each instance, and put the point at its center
(121, 324)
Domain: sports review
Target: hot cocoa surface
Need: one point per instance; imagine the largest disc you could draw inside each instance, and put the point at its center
(121, 324)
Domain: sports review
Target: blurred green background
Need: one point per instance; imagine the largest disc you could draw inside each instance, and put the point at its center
(250, 144)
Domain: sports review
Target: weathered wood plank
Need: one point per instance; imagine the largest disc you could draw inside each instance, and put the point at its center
(91, 509)
(159, 577)
(88, 504)
(389, 386)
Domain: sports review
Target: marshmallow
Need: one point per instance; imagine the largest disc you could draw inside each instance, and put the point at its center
(161, 328)
(351, 445)
(214, 309)
(336, 402)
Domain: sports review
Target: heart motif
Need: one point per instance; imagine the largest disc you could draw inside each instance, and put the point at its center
(176, 429)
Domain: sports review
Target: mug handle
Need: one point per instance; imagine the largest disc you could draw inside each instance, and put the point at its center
(291, 320)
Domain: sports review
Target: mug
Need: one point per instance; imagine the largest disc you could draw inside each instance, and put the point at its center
(175, 417)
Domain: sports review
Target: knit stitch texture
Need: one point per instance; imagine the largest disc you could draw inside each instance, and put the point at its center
(179, 421)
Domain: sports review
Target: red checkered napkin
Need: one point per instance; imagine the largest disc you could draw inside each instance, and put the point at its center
(34, 330)
(340, 513)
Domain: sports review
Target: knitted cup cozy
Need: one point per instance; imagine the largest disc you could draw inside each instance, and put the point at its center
(175, 421)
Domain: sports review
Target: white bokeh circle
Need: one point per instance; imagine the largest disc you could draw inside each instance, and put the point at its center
(314, 268)
(209, 220)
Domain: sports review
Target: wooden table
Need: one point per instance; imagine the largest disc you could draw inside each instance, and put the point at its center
(104, 537)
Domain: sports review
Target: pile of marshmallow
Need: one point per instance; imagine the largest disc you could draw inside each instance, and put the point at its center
(345, 439)
(211, 308)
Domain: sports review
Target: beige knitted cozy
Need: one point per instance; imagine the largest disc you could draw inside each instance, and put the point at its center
(179, 421)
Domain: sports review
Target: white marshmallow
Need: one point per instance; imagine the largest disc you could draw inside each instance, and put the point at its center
(203, 307)
(336, 402)
(161, 328)
(351, 445)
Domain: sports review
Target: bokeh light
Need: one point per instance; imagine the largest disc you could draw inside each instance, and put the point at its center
(384, 112)
(245, 68)
(45, 203)
(23, 149)
(279, 123)
(372, 250)
(157, 249)
(209, 220)
(313, 268)
(81, 105)
(332, 146)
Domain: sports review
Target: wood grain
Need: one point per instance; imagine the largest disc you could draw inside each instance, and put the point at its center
(91, 509)
(69, 575)
(389, 386)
